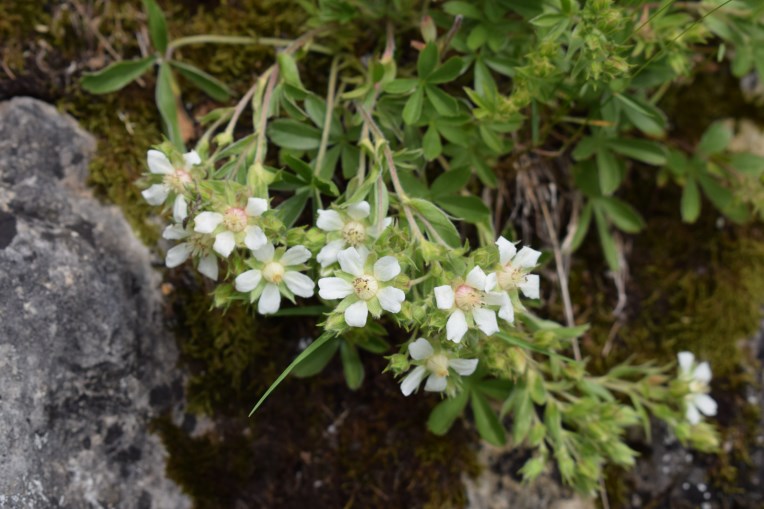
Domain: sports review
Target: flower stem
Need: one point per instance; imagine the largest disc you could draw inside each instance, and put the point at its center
(331, 90)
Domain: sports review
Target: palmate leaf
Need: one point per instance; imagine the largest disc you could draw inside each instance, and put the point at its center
(116, 76)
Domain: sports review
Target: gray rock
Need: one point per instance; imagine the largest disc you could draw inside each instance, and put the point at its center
(85, 362)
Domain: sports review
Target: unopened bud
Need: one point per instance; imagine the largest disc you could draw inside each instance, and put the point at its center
(429, 31)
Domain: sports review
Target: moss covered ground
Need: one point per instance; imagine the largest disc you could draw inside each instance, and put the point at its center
(316, 443)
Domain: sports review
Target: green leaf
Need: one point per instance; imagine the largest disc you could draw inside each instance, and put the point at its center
(413, 108)
(166, 103)
(441, 101)
(288, 133)
(400, 86)
(450, 182)
(646, 117)
(449, 71)
(609, 171)
(439, 222)
(116, 75)
(548, 19)
(303, 311)
(715, 139)
(466, 9)
(487, 423)
(649, 152)
(582, 228)
(288, 69)
(351, 365)
(622, 215)
(431, 143)
(157, 25)
(607, 241)
(203, 81)
(586, 148)
(690, 201)
(445, 413)
(427, 60)
(317, 361)
(522, 414)
(750, 164)
(468, 208)
(290, 209)
(323, 338)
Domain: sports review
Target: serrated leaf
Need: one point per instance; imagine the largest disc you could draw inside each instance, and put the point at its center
(116, 76)
(413, 108)
(441, 101)
(431, 143)
(208, 84)
(400, 86)
(428, 60)
(157, 25)
(450, 182)
(448, 71)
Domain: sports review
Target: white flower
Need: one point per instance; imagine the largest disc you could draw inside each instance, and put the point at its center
(437, 364)
(278, 273)
(361, 288)
(207, 263)
(352, 227)
(513, 274)
(466, 302)
(697, 376)
(234, 226)
(173, 179)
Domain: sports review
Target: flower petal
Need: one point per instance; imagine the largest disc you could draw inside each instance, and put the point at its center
(692, 414)
(526, 258)
(491, 281)
(705, 404)
(686, 360)
(356, 314)
(156, 194)
(331, 288)
(485, 319)
(299, 284)
(224, 244)
(178, 254)
(702, 373)
(191, 158)
(180, 209)
(248, 281)
(436, 383)
(420, 349)
(530, 286)
(158, 163)
(329, 220)
(444, 297)
(507, 311)
(295, 255)
(254, 238)
(359, 210)
(270, 300)
(386, 268)
(376, 230)
(390, 298)
(351, 261)
(208, 266)
(264, 253)
(507, 250)
(456, 326)
(464, 367)
(477, 279)
(412, 380)
(328, 253)
(175, 232)
(256, 206)
(206, 222)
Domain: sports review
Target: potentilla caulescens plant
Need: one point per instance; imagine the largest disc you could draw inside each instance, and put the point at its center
(375, 201)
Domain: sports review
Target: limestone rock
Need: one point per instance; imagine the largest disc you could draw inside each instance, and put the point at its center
(85, 362)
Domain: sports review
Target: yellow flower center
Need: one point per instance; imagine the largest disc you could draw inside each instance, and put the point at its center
(235, 219)
(508, 277)
(354, 233)
(273, 272)
(467, 298)
(365, 287)
(438, 364)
